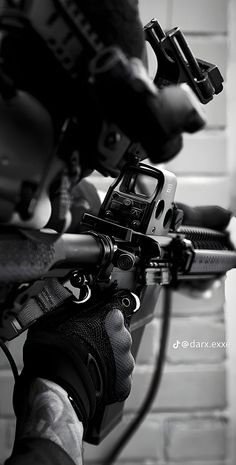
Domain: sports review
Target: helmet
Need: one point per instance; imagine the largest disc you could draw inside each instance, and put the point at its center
(51, 119)
(80, 62)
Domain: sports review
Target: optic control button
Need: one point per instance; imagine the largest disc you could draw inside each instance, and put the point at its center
(135, 224)
(136, 213)
(127, 202)
(108, 214)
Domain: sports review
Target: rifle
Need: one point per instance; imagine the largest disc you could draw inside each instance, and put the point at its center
(136, 242)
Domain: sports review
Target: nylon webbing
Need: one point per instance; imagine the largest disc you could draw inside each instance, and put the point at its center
(51, 296)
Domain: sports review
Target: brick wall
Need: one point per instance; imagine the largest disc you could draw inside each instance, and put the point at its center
(188, 421)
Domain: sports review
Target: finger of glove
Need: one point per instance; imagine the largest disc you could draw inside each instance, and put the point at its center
(121, 342)
(206, 216)
(127, 302)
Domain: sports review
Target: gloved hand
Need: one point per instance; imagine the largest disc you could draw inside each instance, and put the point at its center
(86, 350)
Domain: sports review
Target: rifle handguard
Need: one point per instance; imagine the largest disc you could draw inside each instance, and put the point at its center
(206, 252)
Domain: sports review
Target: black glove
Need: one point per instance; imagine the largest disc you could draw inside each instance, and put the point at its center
(210, 216)
(86, 350)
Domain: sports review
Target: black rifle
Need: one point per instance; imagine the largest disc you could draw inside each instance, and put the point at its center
(137, 242)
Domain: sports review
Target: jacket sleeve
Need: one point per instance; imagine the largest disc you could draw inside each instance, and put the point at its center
(38, 452)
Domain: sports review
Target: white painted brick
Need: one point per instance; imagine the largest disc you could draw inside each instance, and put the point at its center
(182, 388)
(212, 49)
(188, 338)
(7, 434)
(206, 152)
(203, 190)
(154, 9)
(195, 331)
(201, 16)
(216, 113)
(149, 343)
(184, 305)
(147, 443)
(202, 438)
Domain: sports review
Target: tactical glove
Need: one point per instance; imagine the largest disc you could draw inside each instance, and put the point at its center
(86, 350)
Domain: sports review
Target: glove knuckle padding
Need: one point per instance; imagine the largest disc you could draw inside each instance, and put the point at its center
(120, 341)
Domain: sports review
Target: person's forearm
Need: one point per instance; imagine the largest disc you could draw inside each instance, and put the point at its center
(51, 416)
